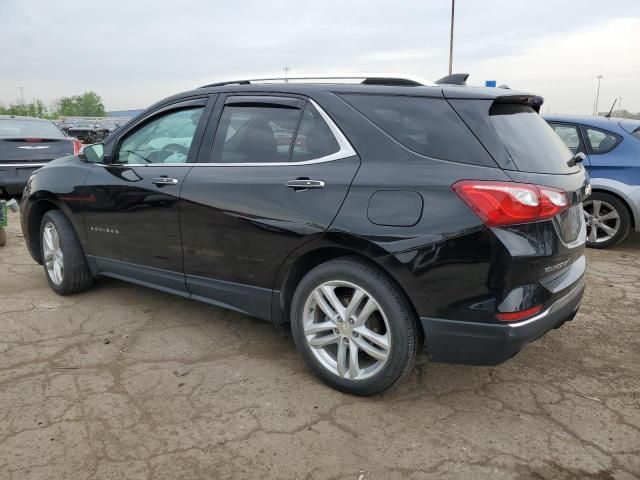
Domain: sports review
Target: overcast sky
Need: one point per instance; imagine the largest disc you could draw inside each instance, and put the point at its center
(136, 52)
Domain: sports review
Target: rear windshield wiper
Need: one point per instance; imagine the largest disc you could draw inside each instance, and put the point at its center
(577, 158)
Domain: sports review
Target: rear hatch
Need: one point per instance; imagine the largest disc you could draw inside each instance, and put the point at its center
(528, 150)
(33, 150)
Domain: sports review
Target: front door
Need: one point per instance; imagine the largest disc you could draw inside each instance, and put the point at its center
(131, 213)
(276, 176)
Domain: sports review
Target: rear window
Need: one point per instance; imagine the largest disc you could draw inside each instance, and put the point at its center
(531, 142)
(428, 126)
(28, 129)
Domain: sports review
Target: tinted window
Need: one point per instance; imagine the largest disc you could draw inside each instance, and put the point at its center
(165, 139)
(314, 139)
(569, 135)
(428, 126)
(29, 129)
(255, 134)
(531, 142)
(636, 133)
(601, 141)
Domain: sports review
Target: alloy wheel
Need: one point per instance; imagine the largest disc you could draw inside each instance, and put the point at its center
(346, 330)
(53, 257)
(603, 220)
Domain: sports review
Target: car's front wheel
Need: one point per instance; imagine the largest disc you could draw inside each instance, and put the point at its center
(353, 327)
(63, 260)
(608, 220)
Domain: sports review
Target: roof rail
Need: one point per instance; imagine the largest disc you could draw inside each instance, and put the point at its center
(375, 79)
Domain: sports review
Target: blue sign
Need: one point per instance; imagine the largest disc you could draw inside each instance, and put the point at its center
(490, 83)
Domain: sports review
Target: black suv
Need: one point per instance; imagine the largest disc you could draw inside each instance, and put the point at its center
(375, 217)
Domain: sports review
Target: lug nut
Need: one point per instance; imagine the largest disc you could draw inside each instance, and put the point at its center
(336, 331)
(346, 340)
(351, 321)
(356, 334)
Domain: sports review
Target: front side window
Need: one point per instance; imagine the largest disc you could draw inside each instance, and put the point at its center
(569, 135)
(601, 141)
(165, 139)
(255, 134)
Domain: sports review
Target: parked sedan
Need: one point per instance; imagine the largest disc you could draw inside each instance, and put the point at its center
(27, 144)
(612, 157)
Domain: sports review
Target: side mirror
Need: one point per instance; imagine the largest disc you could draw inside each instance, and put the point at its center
(92, 153)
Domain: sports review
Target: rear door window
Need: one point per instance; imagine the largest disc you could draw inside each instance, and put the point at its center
(601, 141)
(530, 141)
(428, 126)
(315, 139)
(255, 133)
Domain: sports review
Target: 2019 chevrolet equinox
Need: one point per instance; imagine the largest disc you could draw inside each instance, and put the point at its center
(376, 217)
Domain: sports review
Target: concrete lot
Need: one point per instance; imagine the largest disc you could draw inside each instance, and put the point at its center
(126, 382)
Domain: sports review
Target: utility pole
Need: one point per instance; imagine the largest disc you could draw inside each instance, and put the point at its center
(286, 74)
(453, 11)
(599, 77)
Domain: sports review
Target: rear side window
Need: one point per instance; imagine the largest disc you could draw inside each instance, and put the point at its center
(255, 134)
(428, 126)
(601, 141)
(530, 141)
(314, 139)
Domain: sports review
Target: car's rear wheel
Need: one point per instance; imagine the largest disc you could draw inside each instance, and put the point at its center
(608, 220)
(63, 260)
(353, 327)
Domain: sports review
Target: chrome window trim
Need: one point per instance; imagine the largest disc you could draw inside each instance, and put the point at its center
(346, 150)
(2, 165)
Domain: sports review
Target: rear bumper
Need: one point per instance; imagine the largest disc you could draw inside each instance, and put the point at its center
(475, 343)
(14, 177)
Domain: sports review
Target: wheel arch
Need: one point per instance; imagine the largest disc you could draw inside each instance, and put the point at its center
(296, 268)
(624, 200)
(37, 210)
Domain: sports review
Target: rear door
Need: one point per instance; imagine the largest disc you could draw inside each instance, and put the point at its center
(131, 209)
(273, 179)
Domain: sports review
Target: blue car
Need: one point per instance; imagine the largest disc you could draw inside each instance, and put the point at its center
(612, 157)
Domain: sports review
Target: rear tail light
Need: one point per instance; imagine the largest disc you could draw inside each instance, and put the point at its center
(77, 146)
(508, 203)
(519, 315)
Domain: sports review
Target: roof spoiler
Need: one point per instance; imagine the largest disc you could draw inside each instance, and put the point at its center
(453, 79)
(534, 101)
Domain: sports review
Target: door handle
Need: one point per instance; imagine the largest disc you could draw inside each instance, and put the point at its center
(301, 184)
(162, 181)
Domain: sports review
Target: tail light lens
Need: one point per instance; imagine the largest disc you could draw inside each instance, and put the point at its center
(77, 146)
(509, 203)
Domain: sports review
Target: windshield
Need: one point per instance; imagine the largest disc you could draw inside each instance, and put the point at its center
(28, 129)
(530, 141)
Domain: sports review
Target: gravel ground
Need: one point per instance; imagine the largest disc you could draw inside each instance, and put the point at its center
(126, 382)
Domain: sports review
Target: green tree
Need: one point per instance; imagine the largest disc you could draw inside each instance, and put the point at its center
(89, 104)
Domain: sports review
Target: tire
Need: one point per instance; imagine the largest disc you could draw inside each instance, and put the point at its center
(382, 314)
(617, 220)
(74, 275)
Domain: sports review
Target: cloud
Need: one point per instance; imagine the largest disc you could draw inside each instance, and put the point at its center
(134, 53)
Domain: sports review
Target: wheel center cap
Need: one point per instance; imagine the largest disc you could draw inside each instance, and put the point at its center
(345, 329)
